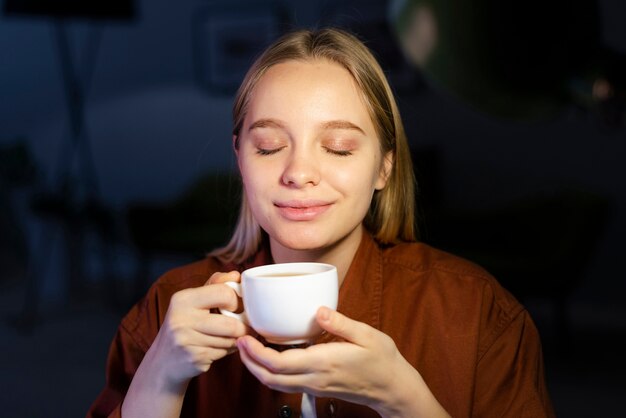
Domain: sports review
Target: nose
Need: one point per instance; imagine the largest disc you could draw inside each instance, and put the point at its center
(302, 169)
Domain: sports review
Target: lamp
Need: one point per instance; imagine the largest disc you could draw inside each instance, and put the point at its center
(75, 202)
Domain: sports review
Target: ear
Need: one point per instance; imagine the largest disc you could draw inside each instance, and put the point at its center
(385, 170)
(236, 150)
(235, 147)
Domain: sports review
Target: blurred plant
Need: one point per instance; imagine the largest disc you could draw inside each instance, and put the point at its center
(517, 60)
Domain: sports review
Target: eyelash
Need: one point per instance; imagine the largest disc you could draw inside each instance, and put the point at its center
(339, 153)
(262, 151)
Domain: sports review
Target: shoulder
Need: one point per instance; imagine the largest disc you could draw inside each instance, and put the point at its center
(190, 275)
(419, 257)
(463, 288)
(419, 261)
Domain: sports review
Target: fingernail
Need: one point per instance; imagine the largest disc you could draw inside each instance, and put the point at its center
(241, 343)
(324, 314)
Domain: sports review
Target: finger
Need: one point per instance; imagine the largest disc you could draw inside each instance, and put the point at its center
(203, 357)
(284, 383)
(288, 362)
(231, 276)
(199, 339)
(220, 325)
(340, 325)
(206, 297)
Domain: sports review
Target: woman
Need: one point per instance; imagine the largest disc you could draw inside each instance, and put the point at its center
(327, 177)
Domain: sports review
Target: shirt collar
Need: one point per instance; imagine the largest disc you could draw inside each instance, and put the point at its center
(361, 291)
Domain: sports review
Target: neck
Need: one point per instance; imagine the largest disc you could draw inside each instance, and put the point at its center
(340, 254)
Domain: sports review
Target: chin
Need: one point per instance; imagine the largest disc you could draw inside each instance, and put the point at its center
(302, 241)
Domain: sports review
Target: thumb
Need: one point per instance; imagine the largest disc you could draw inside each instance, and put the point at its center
(340, 325)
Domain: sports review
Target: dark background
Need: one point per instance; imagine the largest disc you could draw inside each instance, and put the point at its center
(536, 197)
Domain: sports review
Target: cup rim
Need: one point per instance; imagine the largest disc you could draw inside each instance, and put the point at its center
(286, 267)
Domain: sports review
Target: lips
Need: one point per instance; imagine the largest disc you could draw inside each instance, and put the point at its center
(302, 210)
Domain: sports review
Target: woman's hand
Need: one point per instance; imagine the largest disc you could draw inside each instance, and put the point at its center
(191, 338)
(366, 368)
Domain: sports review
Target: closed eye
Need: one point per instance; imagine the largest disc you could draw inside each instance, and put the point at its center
(263, 151)
(341, 153)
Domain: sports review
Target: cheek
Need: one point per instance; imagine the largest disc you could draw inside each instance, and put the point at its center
(251, 186)
(247, 169)
(248, 181)
(256, 183)
(361, 179)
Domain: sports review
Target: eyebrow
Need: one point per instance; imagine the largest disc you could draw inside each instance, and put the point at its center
(266, 123)
(332, 124)
(342, 124)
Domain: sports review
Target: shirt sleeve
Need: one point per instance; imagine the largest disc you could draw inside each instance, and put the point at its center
(125, 355)
(510, 379)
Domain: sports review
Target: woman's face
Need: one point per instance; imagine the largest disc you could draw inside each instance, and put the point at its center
(309, 155)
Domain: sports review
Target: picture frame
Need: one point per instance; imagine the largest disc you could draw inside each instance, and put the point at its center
(227, 38)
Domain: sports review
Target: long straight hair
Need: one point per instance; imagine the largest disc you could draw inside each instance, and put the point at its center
(391, 216)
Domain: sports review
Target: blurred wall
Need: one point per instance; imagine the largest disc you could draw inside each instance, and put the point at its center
(153, 129)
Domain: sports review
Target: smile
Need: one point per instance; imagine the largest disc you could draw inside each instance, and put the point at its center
(302, 211)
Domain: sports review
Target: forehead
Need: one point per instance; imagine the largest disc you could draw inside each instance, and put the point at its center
(304, 68)
(317, 84)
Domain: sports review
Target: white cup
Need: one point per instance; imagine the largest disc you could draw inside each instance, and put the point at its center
(280, 300)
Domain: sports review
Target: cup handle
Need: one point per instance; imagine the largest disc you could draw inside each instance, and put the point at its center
(240, 316)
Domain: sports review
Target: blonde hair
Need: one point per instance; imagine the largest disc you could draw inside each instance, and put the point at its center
(391, 217)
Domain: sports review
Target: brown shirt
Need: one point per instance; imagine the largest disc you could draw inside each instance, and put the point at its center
(473, 343)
